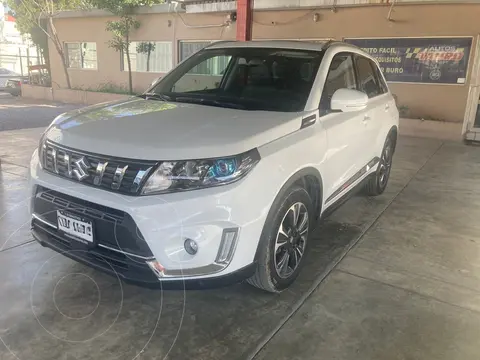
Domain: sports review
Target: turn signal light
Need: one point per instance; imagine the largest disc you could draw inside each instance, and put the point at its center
(227, 246)
(157, 268)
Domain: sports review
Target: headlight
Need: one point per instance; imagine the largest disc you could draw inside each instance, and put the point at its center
(171, 176)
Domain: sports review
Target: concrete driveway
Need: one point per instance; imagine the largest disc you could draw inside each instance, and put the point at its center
(393, 277)
(21, 113)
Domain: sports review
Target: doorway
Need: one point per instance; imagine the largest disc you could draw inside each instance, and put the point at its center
(471, 122)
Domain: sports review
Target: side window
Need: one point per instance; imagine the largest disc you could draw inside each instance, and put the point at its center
(341, 75)
(380, 79)
(367, 77)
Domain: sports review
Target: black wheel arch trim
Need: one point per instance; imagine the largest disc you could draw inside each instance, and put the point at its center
(299, 175)
(393, 129)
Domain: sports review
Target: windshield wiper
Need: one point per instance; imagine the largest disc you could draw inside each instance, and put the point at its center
(156, 96)
(211, 102)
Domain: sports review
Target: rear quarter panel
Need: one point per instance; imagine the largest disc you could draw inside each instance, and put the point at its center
(390, 119)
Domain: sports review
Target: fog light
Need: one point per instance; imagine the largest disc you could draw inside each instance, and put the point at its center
(227, 246)
(191, 246)
(157, 268)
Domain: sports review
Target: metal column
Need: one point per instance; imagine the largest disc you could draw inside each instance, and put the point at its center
(244, 20)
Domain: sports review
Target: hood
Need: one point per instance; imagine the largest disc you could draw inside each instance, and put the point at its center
(157, 130)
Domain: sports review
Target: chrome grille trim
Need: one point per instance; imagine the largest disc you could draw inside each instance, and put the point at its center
(97, 180)
(66, 159)
(54, 157)
(126, 253)
(119, 175)
(139, 178)
(43, 221)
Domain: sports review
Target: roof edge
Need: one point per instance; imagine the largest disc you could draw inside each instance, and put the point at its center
(259, 5)
(154, 9)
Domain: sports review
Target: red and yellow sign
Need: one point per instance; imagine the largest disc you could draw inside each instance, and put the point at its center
(435, 54)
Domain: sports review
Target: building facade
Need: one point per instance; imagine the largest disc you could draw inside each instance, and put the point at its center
(16, 52)
(429, 52)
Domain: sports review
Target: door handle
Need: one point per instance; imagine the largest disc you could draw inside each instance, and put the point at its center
(366, 118)
(387, 107)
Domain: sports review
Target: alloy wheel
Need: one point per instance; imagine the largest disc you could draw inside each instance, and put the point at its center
(291, 240)
(385, 164)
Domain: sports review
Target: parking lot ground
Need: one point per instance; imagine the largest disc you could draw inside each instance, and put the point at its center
(410, 289)
(392, 277)
(21, 113)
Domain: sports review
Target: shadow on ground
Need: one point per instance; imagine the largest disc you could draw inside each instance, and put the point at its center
(54, 308)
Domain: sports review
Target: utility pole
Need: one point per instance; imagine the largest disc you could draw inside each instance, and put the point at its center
(244, 20)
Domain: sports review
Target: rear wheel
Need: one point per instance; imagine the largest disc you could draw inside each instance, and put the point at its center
(284, 241)
(377, 183)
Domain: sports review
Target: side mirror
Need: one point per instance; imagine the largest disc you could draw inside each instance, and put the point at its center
(348, 100)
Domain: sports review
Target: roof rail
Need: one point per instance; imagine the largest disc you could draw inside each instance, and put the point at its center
(218, 42)
(327, 44)
(332, 42)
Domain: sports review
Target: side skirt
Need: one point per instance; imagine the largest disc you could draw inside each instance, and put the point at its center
(348, 189)
(348, 195)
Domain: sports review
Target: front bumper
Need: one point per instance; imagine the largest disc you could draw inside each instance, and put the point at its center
(138, 230)
(119, 248)
(127, 268)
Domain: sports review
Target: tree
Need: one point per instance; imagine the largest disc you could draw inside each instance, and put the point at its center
(35, 17)
(146, 48)
(121, 29)
(40, 40)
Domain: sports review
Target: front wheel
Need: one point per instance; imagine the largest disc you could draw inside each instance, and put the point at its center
(377, 183)
(284, 241)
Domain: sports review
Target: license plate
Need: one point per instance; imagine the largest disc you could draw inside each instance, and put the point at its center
(75, 226)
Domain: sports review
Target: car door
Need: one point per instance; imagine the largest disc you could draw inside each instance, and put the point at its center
(371, 83)
(345, 130)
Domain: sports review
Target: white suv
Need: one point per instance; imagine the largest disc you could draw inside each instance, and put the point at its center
(221, 170)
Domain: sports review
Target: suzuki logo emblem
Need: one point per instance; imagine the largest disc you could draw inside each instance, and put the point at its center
(80, 168)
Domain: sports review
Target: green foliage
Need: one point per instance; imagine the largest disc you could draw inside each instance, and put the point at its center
(26, 22)
(107, 87)
(35, 18)
(112, 89)
(431, 118)
(145, 47)
(122, 7)
(121, 29)
(31, 14)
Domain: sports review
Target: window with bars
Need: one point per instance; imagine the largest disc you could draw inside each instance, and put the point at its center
(212, 66)
(188, 48)
(149, 56)
(81, 55)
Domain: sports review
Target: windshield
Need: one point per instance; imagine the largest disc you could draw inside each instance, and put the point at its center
(243, 78)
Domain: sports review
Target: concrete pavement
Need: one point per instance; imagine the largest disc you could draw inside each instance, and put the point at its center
(392, 277)
(410, 288)
(21, 113)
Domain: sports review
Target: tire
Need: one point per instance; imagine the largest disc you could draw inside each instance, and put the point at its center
(377, 183)
(281, 254)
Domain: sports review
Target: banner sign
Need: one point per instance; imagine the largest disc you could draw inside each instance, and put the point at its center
(420, 60)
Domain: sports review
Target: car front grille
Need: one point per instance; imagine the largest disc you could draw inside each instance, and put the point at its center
(113, 228)
(113, 262)
(82, 207)
(120, 175)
